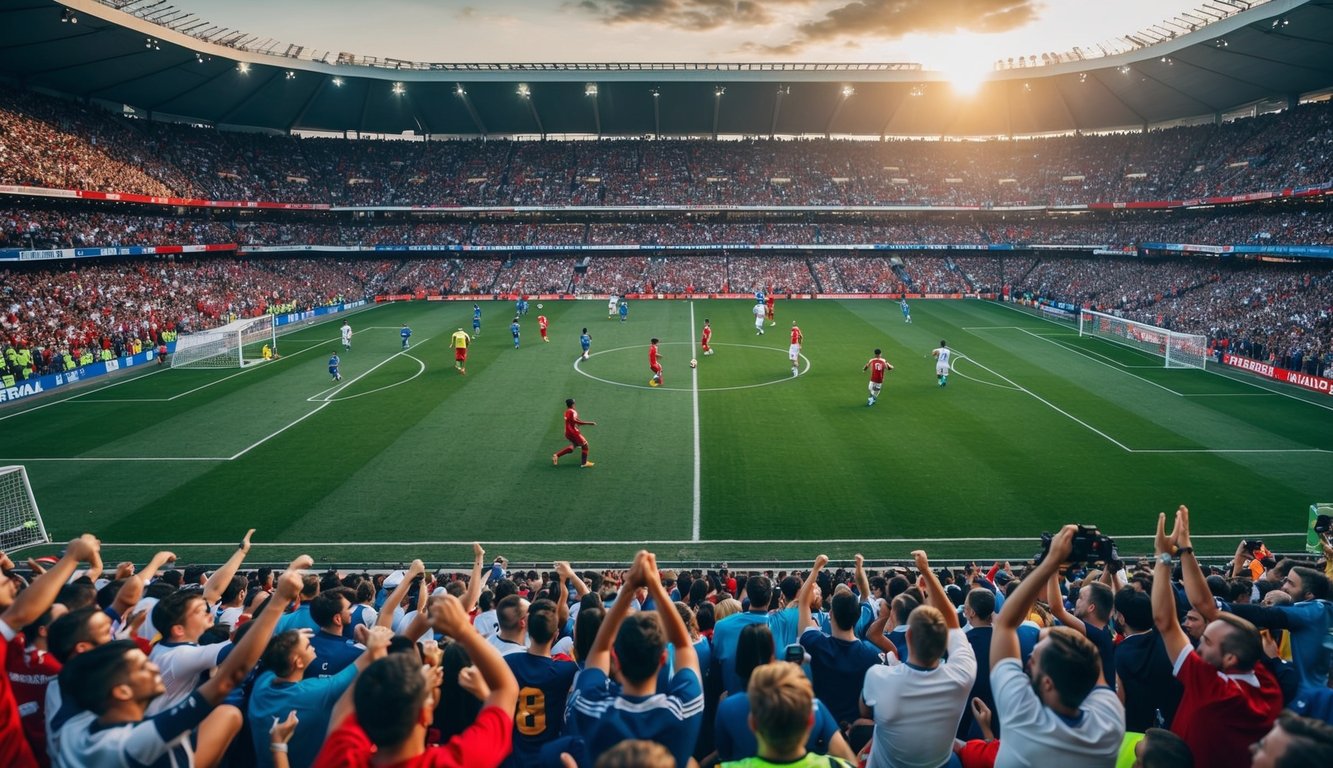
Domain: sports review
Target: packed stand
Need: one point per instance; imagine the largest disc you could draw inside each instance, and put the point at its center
(1066, 659)
(50, 142)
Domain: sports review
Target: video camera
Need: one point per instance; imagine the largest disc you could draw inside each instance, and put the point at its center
(1323, 524)
(1089, 546)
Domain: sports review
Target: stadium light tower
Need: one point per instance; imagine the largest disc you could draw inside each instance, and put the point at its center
(847, 91)
(590, 91)
(657, 110)
(525, 93)
(718, 91)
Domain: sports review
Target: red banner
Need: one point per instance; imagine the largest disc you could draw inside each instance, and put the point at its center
(1270, 371)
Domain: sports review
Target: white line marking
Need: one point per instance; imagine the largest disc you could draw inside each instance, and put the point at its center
(578, 368)
(954, 367)
(1033, 539)
(332, 391)
(694, 397)
(118, 458)
(80, 394)
(1116, 367)
(1049, 404)
(265, 439)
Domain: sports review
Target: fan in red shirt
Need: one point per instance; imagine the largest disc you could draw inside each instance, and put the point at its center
(877, 367)
(655, 365)
(573, 435)
(1231, 699)
(541, 326)
(31, 670)
(707, 337)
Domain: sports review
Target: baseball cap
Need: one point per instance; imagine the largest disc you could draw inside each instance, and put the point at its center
(393, 579)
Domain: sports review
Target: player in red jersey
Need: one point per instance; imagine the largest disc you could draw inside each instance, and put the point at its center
(877, 366)
(655, 365)
(573, 435)
(708, 336)
(541, 326)
(768, 308)
(794, 351)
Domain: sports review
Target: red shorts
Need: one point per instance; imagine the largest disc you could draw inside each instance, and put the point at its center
(656, 367)
(460, 353)
(576, 438)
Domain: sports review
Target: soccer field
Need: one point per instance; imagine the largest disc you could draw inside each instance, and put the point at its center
(736, 460)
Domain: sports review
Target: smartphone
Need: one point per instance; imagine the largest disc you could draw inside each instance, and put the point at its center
(794, 653)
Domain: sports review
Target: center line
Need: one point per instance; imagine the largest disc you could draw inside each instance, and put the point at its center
(694, 396)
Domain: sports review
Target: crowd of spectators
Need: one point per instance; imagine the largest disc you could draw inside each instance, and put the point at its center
(1156, 659)
(1277, 312)
(50, 142)
(39, 228)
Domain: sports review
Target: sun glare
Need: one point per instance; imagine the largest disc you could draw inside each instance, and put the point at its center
(966, 80)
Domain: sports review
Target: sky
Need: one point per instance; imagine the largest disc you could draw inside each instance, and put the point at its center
(949, 35)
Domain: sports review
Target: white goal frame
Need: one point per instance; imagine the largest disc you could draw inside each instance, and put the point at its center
(21, 524)
(225, 347)
(1179, 350)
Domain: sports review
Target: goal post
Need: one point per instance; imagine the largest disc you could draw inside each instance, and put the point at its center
(1179, 350)
(232, 346)
(21, 523)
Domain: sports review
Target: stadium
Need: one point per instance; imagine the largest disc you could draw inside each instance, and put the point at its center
(236, 270)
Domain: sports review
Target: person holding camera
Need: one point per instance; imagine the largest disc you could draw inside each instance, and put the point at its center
(1064, 713)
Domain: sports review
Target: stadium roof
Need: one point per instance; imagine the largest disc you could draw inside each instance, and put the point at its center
(153, 62)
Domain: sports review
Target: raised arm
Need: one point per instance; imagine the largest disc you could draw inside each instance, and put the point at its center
(935, 591)
(232, 671)
(1163, 596)
(1196, 586)
(562, 574)
(450, 619)
(803, 619)
(676, 632)
(218, 582)
(1057, 603)
(131, 592)
(1004, 635)
(862, 583)
(95, 568)
(395, 597)
(475, 583)
(875, 632)
(41, 593)
(599, 656)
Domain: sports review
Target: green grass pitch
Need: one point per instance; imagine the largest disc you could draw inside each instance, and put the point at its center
(736, 460)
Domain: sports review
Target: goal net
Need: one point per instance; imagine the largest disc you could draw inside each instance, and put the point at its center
(231, 346)
(20, 522)
(1180, 350)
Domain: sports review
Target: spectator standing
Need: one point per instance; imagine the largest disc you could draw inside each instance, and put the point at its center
(543, 685)
(1230, 700)
(605, 716)
(838, 661)
(917, 705)
(1064, 714)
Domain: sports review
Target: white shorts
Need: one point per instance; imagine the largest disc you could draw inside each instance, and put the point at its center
(759, 322)
(875, 387)
(941, 369)
(794, 352)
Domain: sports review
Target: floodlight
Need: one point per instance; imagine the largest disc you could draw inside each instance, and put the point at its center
(524, 91)
(847, 91)
(243, 68)
(590, 89)
(337, 82)
(398, 89)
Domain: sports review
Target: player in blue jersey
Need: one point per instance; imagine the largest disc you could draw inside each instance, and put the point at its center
(907, 311)
(513, 328)
(624, 310)
(406, 333)
(476, 321)
(543, 682)
(521, 306)
(585, 341)
(334, 365)
(759, 295)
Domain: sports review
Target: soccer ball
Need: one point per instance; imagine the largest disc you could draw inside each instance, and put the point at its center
(694, 363)
(539, 306)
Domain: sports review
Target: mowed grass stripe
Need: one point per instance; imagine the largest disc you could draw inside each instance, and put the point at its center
(442, 457)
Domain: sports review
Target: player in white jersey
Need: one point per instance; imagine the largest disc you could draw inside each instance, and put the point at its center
(942, 354)
(611, 306)
(347, 335)
(758, 318)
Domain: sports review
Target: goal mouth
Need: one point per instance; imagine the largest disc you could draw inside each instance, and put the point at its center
(235, 345)
(1177, 350)
(21, 523)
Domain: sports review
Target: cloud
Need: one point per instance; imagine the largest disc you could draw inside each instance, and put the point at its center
(894, 19)
(689, 15)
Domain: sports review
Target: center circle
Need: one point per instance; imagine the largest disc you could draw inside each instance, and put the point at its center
(578, 367)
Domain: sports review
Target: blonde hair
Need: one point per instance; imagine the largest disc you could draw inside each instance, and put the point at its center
(725, 608)
(928, 634)
(637, 753)
(781, 703)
